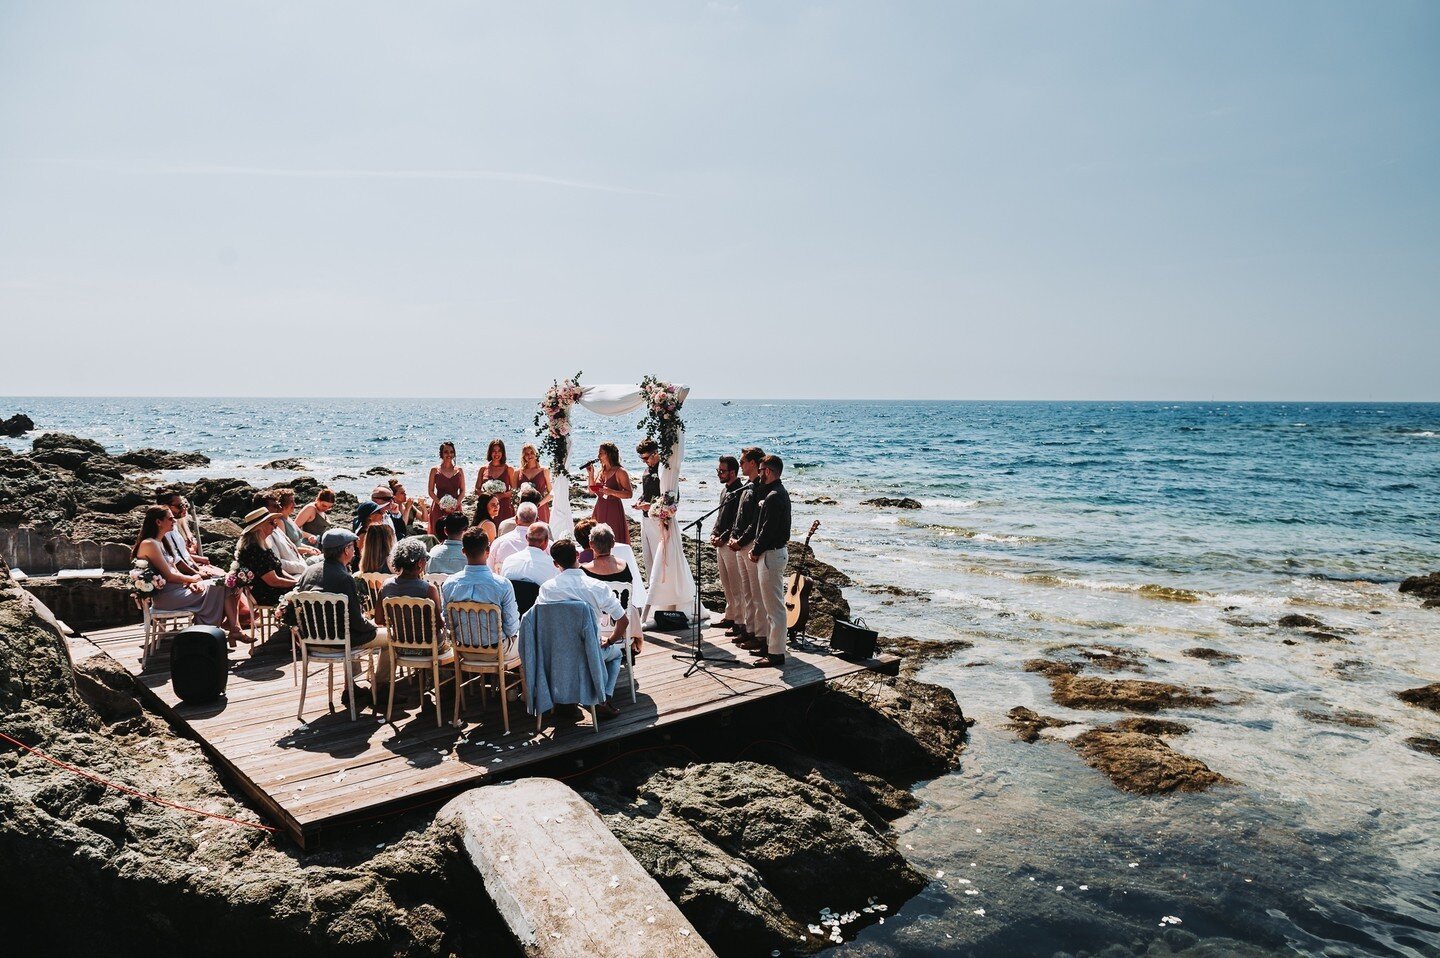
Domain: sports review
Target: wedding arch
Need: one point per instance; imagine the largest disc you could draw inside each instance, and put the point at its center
(670, 584)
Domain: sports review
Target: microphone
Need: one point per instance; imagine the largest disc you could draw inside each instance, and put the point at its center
(590, 463)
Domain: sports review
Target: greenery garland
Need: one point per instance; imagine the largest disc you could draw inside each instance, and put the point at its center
(552, 422)
(662, 421)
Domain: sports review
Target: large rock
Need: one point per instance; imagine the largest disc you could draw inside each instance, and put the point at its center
(63, 440)
(87, 603)
(1424, 586)
(16, 425)
(896, 728)
(1425, 697)
(1123, 695)
(1140, 762)
(155, 459)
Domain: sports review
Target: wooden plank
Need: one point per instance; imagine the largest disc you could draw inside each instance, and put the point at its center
(562, 881)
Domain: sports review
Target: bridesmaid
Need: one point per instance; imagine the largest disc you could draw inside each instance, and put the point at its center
(446, 479)
(497, 468)
(538, 476)
(610, 487)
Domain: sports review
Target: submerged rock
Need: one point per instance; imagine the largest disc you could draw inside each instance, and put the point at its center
(915, 652)
(1300, 622)
(1124, 695)
(1027, 724)
(1423, 586)
(1429, 746)
(885, 502)
(1340, 716)
(1143, 763)
(1426, 696)
(1211, 655)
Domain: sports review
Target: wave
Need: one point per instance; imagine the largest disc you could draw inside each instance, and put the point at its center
(1149, 590)
(964, 532)
(1427, 434)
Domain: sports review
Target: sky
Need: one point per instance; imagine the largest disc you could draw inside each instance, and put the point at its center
(948, 200)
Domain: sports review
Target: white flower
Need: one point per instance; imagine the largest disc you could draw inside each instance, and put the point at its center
(448, 503)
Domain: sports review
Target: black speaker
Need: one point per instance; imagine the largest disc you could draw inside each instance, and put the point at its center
(199, 664)
(671, 621)
(853, 641)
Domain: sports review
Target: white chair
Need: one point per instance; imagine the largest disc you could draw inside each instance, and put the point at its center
(481, 649)
(417, 642)
(323, 633)
(158, 623)
(632, 617)
(437, 579)
(368, 584)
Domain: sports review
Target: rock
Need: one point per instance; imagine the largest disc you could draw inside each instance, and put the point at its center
(16, 425)
(1429, 746)
(1300, 622)
(155, 459)
(1425, 697)
(820, 501)
(1340, 717)
(749, 853)
(1123, 695)
(107, 688)
(381, 471)
(1320, 636)
(1028, 724)
(221, 498)
(899, 591)
(1142, 763)
(1211, 655)
(885, 502)
(63, 440)
(1150, 726)
(87, 603)
(293, 465)
(921, 732)
(1430, 604)
(915, 652)
(1050, 668)
(1423, 586)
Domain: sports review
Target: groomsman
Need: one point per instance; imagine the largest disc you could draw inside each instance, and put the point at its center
(742, 533)
(727, 470)
(649, 452)
(768, 554)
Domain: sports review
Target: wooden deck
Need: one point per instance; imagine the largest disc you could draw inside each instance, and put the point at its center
(329, 771)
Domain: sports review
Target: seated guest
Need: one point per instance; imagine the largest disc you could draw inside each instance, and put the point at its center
(286, 499)
(409, 511)
(582, 538)
(333, 575)
(409, 560)
(477, 583)
(375, 548)
(572, 585)
(449, 556)
(534, 564)
(180, 547)
(176, 591)
(383, 501)
(312, 521)
(255, 551)
(487, 515)
(515, 540)
(526, 493)
(610, 570)
(292, 558)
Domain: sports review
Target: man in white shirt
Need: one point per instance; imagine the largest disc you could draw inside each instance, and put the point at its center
(515, 540)
(534, 564)
(573, 585)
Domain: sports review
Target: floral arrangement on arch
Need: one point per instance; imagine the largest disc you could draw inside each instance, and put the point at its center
(552, 421)
(662, 421)
(662, 510)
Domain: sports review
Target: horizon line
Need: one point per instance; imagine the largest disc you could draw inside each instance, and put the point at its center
(894, 399)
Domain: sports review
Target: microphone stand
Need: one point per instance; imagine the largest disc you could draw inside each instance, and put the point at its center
(696, 657)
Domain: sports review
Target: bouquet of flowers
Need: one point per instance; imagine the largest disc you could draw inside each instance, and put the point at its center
(662, 421)
(449, 504)
(239, 578)
(493, 487)
(144, 579)
(663, 509)
(552, 421)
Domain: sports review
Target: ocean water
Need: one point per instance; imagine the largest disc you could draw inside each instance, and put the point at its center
(1158, 527)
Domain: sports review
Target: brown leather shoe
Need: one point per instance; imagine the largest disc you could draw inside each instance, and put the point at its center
(607, 710)
(769, 662)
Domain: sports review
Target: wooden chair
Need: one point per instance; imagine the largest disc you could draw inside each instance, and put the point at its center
(263, 625)
(368, 584)
(323, 633)
(158, 623)
(437, 579)
(482, 649)
(418, 642)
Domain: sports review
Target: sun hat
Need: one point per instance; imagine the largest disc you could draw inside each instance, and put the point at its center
(365, 511)
(254, 517)
(382, 492)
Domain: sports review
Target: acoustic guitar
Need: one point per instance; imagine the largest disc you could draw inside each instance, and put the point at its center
(797, 593)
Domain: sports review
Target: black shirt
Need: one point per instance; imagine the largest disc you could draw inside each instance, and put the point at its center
(729, 506)
(650, 484)
(742, 531)
(772, 519)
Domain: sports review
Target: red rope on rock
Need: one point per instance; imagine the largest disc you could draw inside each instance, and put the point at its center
(130, 791)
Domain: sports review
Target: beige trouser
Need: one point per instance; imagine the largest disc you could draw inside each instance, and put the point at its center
(731, 582)
(772, 594)
(753, 609)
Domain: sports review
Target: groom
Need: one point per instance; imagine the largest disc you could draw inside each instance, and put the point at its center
(650, 530)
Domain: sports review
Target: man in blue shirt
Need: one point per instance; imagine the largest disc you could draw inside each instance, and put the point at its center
(476, 583)
(448, 557)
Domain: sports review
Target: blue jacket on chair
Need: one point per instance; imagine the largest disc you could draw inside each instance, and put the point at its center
(560, 649)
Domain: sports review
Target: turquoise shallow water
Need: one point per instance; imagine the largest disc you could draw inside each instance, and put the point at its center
(1154, 526)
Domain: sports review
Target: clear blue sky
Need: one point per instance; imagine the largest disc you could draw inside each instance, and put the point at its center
(940, 200)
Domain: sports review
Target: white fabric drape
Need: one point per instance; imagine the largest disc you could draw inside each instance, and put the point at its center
(671, 584)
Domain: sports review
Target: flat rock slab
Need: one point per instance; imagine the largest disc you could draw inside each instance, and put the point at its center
(561, 879)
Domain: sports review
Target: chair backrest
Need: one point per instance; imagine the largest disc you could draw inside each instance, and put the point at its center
(323, 618)
(437, 579)
(369, 584)
(473, 626)
(526, 592)
(414, 624)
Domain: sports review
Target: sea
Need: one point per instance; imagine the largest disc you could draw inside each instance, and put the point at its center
(1045, 527)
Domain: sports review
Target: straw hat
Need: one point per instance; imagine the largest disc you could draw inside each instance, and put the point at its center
(254, 517)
